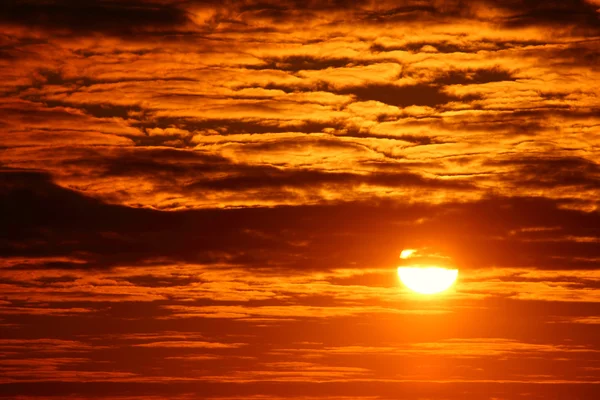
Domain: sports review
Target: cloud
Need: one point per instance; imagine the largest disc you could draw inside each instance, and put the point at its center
(62, 223)
(578, 14)
(283, 312)
(403, 96)
(97, 16)
(211, 197)
(571, 172)
(463, 348)
(191, 344)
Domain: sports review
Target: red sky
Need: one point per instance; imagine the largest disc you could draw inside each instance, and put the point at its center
(208, 199)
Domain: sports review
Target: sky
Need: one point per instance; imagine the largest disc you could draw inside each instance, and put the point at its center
(208, 199)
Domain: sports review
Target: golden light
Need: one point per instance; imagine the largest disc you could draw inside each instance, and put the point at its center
(427, 280)
(407, 253)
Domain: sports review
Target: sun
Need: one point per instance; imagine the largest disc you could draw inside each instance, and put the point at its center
(427, 280)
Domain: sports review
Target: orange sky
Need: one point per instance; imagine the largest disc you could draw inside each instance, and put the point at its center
(208, 199)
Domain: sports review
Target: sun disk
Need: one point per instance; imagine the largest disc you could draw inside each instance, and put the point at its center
(427, 280)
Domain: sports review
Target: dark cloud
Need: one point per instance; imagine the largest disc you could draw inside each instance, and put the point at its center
(44, 76)
(579, 14)
(551, 172)
(235, 126)
(44, 220)
(357, 390)
(300, 63)
(153, 281)
(101, 16)
(402, 96)
(584, 54)
(101, 110)
(428, 94)
(131, 16)
(422, 140)
(165, 163)
(296, 63)
(271, 177)
(445, 46)
(478, 76)
(205, 174)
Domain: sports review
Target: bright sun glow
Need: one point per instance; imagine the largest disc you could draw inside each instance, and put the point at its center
(406, 253)
(427, 280)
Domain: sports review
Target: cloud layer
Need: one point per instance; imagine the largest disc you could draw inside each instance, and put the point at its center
(208, 199)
